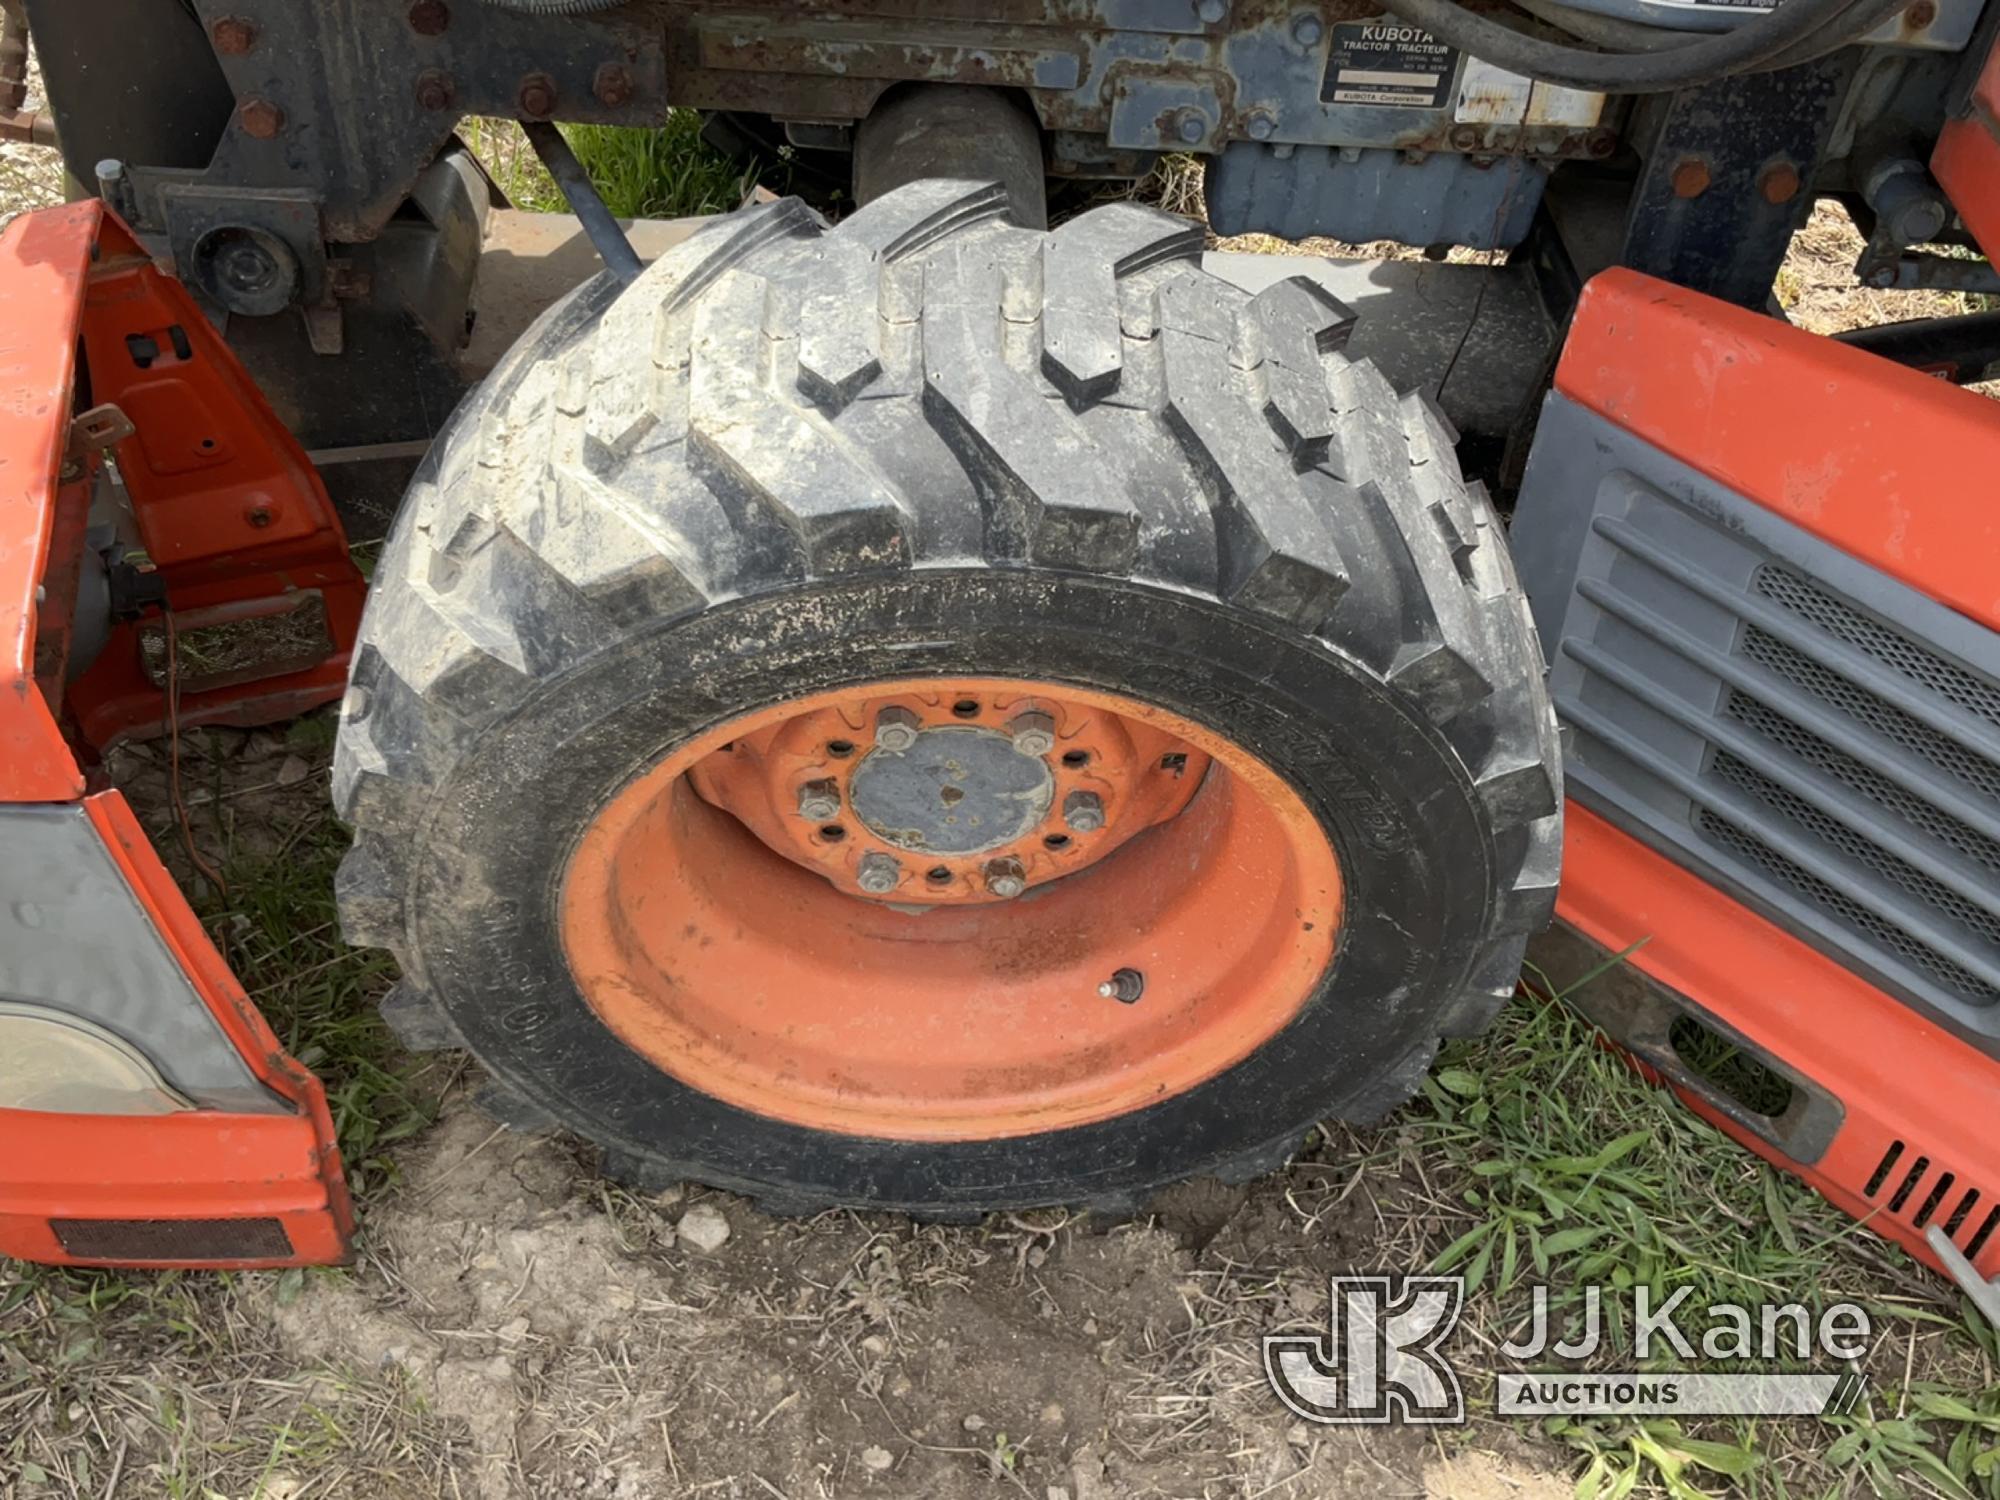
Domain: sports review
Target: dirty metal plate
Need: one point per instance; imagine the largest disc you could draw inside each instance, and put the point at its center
(954, 791)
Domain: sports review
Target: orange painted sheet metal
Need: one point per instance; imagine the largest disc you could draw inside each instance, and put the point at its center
(1884, 463)
(1966, 159)
(43, 259)
(192, 1174)
(1897, 1077)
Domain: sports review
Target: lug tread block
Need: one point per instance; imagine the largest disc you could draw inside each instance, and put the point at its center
(1082, 263)
(913, 218)
(1276, 553)
(623, 403)
(1382, 1095)
(1529, 900)
(840, 350)
(845, 514)
(1448, 678)
(1301, 302)
(1279, 324)
(368, 892)
(1048, 492)
(386, 733)
(626, 559)
(641, 1172)
(419, 1022)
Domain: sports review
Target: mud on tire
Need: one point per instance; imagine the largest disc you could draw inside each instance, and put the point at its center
(927, 442)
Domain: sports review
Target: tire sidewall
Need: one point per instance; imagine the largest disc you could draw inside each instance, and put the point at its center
(1402, 814)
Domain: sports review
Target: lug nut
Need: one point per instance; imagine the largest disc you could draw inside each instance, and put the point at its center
(879, 873)
(1083, 812)
(233, 36)
(536, 96)
(819, 801)
(896, 729)
(1033, 733)
(1005, 878)
(260, 118)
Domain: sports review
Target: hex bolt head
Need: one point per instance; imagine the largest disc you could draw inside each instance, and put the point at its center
(260, 118)
(1083, 811)
(819, 801)
(1690, 177)
(1261, 125)
(1778, 182)
(1192, 126)
(430, 17)
(612, 85)
(879, 873)
(1005, 878)
(233, 36)
(1307, 31)
(435, 90)
(1033, 733)
(1211, 11)
(536, 96)
(896, 729)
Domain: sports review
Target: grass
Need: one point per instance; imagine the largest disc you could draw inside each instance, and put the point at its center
(663, 173)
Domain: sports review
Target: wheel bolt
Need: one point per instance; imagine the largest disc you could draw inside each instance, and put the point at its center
(819, 801)
(895, 729)
(1005, 878)
(880, 873)
(1083, 811)
(1033, 733)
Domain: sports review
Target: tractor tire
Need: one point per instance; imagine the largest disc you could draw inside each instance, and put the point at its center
(937, 716)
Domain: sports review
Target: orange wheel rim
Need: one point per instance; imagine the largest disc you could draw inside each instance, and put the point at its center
(951, 909)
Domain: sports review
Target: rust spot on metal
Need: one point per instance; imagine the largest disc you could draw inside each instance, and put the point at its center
(1778, 182)
(612, 85)
(435, 90)
(537, 96)
(260, 118)
(1920, 15)
(1691, 177)
(233, 36)
(429, 17)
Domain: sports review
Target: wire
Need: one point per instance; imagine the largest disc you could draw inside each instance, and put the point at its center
(1791, 24)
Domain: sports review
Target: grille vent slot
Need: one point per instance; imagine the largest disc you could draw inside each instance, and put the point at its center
(1919, 1195)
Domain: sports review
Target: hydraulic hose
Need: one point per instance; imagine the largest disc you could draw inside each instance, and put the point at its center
(1616, 33)
(1792, 24)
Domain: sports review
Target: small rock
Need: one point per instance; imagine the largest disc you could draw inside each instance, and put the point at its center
(974, 1424)
(875, 1344)
(292, 770)
(877, 1459)
(1090, 1328)
(1052, 1414)
(1058, 1492)
(703, 1227)
(773, 1384)
(1298, 1436)
(517, 1328)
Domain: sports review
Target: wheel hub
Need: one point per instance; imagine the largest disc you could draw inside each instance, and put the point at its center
(953, 793)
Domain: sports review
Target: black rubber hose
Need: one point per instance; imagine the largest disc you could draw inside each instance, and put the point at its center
(1618, 34)
(1791, 24)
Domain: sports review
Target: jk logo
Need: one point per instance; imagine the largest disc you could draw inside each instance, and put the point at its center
(1379, 1359)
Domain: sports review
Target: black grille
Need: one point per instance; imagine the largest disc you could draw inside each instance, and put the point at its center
(1859, 919)
(1865, 633)
(1855, 702)
(1877, 831)
(1914, 1192)
(173, 1239)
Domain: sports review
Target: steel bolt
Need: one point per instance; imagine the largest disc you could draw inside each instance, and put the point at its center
(1920, 15)
(1307, 31)
(435, 90)
(429, 17)
(1033, 733)
(1882, 276)
(1690, 177)
(896, 729)
(1464, 137)
(537, 96)
(1125, 986)
(233, 36)
(1778, 182)
(260, 118)
(1005, 878)
(1261, 125)
(612, 85)
(1211, 11)
(819, 801)
(1603, 142)
(259, 515)
(879, 873)
(1083, 811)
(1191, 127)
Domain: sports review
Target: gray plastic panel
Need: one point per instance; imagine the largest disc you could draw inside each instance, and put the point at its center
(1812, 735)
(74, 937)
